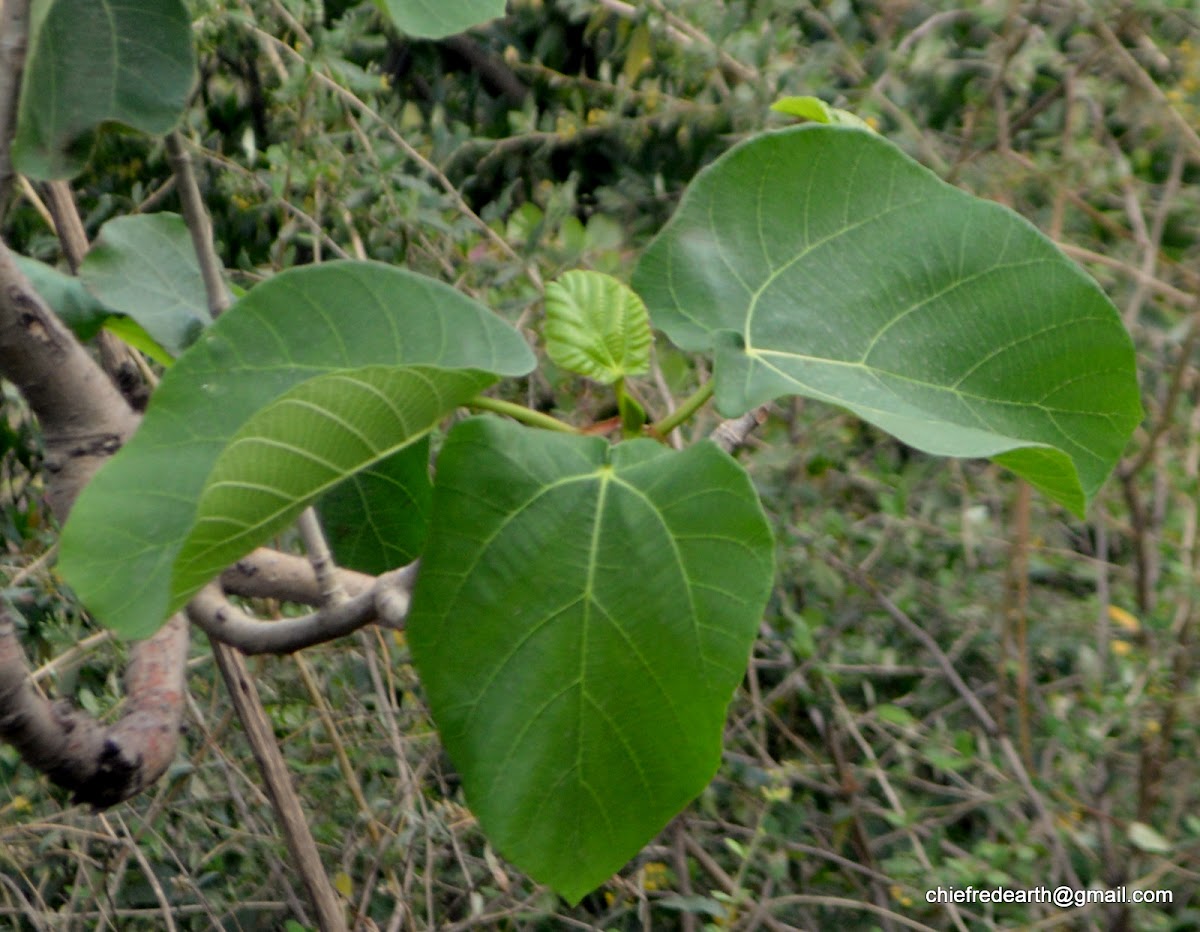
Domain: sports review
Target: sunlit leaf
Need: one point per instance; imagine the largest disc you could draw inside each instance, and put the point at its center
(815, 109)
(123, 541)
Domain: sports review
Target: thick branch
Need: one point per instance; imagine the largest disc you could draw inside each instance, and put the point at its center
(84, 418)
(385, 602)
(99, 765)
(270, 574)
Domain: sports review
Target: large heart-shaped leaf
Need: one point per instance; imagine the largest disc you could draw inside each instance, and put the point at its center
(582, 616)
(145, 267)
(822, 261)
(121, 547)
(435, 19)
(92, 61)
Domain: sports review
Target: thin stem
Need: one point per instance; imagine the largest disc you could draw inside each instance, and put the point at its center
(689, 407)
(521, 413)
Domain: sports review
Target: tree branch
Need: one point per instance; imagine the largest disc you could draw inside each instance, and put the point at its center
(84, 420)
(385, 602)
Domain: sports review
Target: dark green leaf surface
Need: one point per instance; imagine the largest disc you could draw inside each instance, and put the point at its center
(120, 547)
(822, 261)
(435, 19)
(596, 326)
(582, 616)
(145, 267)
(378, 518)
(92, 61)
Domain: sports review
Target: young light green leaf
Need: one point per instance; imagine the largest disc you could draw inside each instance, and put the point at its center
(136, 336)
(120, 547)
(815, 109)
(582, 616)
(822, 261)
(436, 19)
(94, 61)
(145, 267)
(596, 326)
(301, 445)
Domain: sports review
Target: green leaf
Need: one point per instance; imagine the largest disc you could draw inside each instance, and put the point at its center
(581, 619)
(822, 261)
(95, 61)
(815, 109)
(145, 267)
(120, 548)
(378, 518)
(135, 335)
(596, 326)
(435, 19)
(301, 445)
(68, 298)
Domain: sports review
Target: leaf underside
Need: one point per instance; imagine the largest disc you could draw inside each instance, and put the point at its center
(822, 261)
(122, 548)
(582, 617)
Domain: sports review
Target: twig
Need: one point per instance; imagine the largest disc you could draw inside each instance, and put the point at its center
(198, 223)
(320, 558)
(292, 821)
(989, 725)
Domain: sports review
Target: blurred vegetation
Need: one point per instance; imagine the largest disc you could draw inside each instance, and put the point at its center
(858, 773)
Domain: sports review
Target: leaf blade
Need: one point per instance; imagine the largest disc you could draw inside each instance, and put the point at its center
(843, 271)
(596, 326)
(145, 267)
(436, 19)
(120, 544)
(581, 619)
(301, 445)
(93, 61)
(378, 519)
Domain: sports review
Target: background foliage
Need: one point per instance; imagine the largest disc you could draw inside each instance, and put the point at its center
(856, 775)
